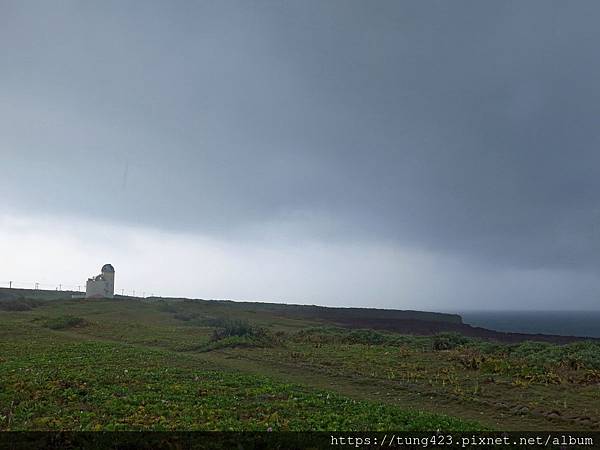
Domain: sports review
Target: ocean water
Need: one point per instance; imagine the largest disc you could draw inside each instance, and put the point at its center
(566, 323)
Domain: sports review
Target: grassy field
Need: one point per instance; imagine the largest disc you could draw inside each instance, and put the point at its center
(201, 365)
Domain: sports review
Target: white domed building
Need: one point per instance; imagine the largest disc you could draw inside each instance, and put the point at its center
(103, 285)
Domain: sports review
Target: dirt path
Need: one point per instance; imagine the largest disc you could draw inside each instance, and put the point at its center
(389, 392)
(410, 398)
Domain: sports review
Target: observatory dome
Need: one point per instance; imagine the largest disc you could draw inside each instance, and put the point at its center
(108, 268)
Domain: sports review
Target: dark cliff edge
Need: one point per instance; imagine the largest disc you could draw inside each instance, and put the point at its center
(422, 327)
(330, 313)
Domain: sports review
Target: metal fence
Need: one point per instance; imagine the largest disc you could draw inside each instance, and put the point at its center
(68, 287)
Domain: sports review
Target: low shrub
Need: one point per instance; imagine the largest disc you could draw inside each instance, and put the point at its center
(235, 333)
(575, 356)
(237, 342)
(329, 335)
(19, 304)
(232, 327)
(488, 348)
(185, 317)
(448, 341)
(167, 307)
(368, 337)
(63, 322)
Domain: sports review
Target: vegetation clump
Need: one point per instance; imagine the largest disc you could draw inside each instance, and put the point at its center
(185, 317)
(63, 322)
(449, 341)
(331, 335)
(165, 306)
(577, 355)
(238, 333)
(19, 304)
(233, 327)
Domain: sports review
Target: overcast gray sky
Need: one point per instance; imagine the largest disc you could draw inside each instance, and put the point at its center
(408, 154)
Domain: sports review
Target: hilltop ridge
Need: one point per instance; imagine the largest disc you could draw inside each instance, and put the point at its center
(423, 323)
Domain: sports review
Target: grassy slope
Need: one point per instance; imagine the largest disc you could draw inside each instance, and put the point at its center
(119, 369)
(320, 379)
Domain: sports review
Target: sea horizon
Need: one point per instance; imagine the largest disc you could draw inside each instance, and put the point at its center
(581, 323)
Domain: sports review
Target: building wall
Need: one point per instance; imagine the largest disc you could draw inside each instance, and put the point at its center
(102, 286)
(110, 280)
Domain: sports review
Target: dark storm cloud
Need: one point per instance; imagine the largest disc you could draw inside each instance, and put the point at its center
(465, 127)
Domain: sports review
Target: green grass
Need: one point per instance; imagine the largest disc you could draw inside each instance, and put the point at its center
(133, 365)
(106, 386)
(63, 322)
(19, 304)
